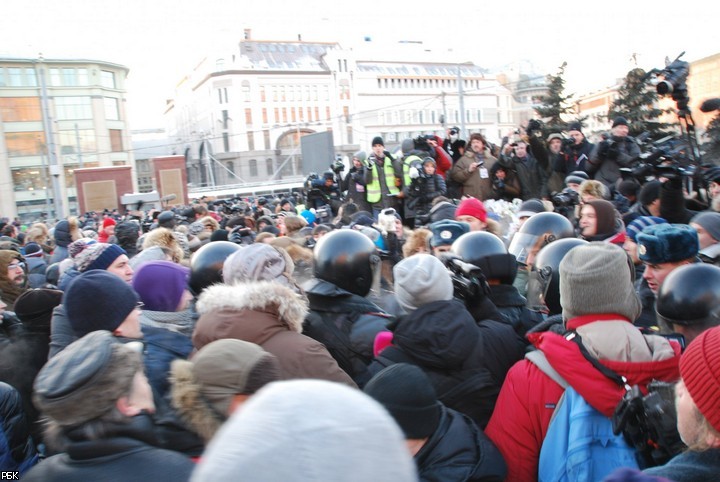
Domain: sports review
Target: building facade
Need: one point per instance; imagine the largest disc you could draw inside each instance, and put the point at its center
(56, 116)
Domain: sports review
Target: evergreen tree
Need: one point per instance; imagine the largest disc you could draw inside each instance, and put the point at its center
(711, 147)
(637, 101)
(556, 104)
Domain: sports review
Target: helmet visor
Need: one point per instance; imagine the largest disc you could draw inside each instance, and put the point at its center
(538, 282)
(525, 247)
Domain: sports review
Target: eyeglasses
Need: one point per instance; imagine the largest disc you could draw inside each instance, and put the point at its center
(13, 266)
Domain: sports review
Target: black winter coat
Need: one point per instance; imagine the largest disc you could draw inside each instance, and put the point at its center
(459, 451)
(466, 361)
(17, 451)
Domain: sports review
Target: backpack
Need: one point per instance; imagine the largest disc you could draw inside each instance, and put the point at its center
(580, 444)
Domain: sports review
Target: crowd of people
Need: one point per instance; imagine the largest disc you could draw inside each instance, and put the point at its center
(453, 311)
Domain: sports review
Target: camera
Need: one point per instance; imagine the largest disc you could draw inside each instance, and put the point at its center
(674, 78)
(469, 282)
(338, 167)
(566, 198)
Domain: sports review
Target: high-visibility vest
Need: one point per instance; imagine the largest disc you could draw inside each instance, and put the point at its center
(373, 191)
(407, 162)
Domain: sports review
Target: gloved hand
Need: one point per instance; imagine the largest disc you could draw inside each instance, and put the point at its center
(413, 172)
(613, 151)
(603, 149)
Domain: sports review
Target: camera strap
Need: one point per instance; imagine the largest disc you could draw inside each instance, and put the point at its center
(575, 337)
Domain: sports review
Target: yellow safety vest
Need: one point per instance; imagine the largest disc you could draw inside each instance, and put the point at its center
(373, 190)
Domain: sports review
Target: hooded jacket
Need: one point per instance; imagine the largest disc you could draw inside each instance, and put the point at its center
(466, 361)
(459, 451)
(270, 315)
(9, 291)
(529, 397)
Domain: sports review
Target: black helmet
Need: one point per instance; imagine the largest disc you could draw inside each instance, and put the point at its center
(347, 259)
(539, 230)
(690, 295)
(487, 252)
(207, 262)
(544, 280)
(166, 219)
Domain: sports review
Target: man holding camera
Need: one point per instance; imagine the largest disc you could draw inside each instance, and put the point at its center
(619, 150)
(472, 170)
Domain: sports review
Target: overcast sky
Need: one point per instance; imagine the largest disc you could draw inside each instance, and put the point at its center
(161, 40)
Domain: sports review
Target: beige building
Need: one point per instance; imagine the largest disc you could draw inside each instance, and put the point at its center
(77, 120)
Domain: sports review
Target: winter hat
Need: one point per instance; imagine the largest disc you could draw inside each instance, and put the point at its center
(222, 369)
(360, 156)
(86, 379)
(333, 431)
(108, 222)
(161, 285)
(472, 207)
(640, 223)
(98, 300)
(667, 243)
(554, 136)
(98, 256)
(429, 160)
(77, 247)
(530, 207)
(446, 231)
(33, 250)
(219, 235)
(377, 140)
(575, 126)
(649, 192)
(700, 371)
(35, 307)
(629, 188)
(258, 262)
(620, 121)
(709, 221)
(408, 394)
(421, 279)
(596, 279)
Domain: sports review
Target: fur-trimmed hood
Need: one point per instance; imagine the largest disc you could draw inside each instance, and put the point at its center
(265, 296)
(187, 399)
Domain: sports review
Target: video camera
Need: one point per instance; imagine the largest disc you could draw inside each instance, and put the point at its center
(566, 198)
(668, 157)
(468, 280)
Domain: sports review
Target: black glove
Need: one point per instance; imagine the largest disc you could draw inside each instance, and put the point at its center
(533, 125)
(237, 234)
(603, 149)
(613, 151)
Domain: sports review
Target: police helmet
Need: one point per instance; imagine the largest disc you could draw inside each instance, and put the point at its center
(206, 264)
(347, 259)
(544, 279)
(690, 295)
(487, 252)
(538, 231)
(166, 219)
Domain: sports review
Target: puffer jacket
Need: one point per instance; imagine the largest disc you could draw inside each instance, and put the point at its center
(17, 451)
(270, 315)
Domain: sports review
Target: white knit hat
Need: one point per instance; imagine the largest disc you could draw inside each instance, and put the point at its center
(421, 279)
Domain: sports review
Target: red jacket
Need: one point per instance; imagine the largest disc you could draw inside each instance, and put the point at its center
(528, 397)
(443, 160)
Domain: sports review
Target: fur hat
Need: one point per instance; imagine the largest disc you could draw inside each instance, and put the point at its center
(640, 223)
(700, 371)
(596, 279)
(445, 232)
(332, 431)
(98, 300)
(98, 256)
(161, 285)
(667, 243)
(421, 279)
(709, 221)
(408, 394)
(472, 207)
(86, 379)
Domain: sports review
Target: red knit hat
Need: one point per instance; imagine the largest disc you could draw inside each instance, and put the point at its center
(108, 222)
(700, 370)
(472, 207)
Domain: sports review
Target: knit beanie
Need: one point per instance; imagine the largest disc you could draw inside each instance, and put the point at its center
(360, 156)
(377, 140)
(108, 222)
(34, 307)
(33, 250)
(222, 369)
(472, 207)
(575, 126)
(638, 224)
(700, 371)
(620, 121)
(408, 394)
(98, 256)
(258, 262)
(335, 433)
(98, 300)
(649, 192)
(86, 379)
(421, 279)
(596, 279)
(161, 285)
(78, 246)
(709, 221)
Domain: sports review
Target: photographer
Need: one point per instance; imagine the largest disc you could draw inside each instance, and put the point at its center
(354, 182)
(575, 152)
(472, 170)
(620, 150)
(425, 185)
(323, 191)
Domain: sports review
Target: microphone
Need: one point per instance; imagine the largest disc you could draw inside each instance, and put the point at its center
(710, 105)
(169, 197)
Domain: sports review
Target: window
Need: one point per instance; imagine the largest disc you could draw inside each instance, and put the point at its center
(262, 93)
(68, 77)
(284, 117)
(292, 114)
(253, 167)
(248, 117)
(21, 77)
(107, 79)
(116, 143)
(24, 143)
(73, 108)
(20, 109)
(269, 169)
(266, 139)
(111, 108)
(226, 142)
(30, 179)
(251, 141)
(264, 116)
(246, 91)
(225, 118)
(69, 141)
